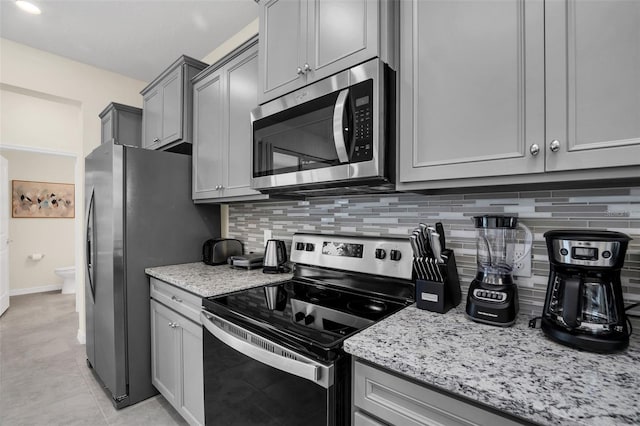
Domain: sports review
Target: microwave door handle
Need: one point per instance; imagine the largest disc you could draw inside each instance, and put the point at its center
(338, 133)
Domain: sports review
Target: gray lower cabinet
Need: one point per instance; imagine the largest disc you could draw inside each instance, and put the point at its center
(518, 88)
(382, 398)
(121, 124)
(223, 96)
(176, 350)
(302, 41)
(167, 106)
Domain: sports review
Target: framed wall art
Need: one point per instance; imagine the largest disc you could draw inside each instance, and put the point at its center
(42, 199)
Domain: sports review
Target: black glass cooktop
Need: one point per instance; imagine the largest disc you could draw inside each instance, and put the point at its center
(318, 315)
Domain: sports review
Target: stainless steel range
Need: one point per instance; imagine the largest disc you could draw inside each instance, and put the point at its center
(273, 355)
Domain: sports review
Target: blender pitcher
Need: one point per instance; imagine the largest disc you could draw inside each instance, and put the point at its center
(495, 247)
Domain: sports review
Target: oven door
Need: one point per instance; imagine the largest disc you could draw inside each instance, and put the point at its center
(327, 132)
(249, 380)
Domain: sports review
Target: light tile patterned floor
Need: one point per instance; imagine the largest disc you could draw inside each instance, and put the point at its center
(44, 378)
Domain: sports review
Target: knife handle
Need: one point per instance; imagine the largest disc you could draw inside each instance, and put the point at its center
(443, 240)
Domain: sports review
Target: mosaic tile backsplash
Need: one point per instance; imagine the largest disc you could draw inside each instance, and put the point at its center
(614, 209)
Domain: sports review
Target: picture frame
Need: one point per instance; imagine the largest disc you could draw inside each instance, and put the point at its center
(32, 199)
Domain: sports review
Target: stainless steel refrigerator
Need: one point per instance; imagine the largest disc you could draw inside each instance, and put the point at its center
(139, 214)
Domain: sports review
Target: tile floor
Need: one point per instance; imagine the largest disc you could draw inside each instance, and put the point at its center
(44, 379)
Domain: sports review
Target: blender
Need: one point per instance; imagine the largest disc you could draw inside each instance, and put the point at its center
(493, 295)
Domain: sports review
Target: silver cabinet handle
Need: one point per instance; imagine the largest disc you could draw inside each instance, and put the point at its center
(173, 324)
(534, 149)
(302, 367)
(156, 139)
(299, 71)
(338, 136)
(554, 146)
(177, 299)
(306, 68)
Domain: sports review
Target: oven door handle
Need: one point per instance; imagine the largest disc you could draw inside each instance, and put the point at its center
(307, 370)
(338, 133)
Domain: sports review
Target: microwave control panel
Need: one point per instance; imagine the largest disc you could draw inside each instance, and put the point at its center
(362, 104)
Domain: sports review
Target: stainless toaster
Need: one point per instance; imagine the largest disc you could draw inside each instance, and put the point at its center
(217, 251)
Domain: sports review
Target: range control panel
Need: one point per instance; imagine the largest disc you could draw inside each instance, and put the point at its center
(389, 257)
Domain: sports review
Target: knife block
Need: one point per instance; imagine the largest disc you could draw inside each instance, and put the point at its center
(440, 296)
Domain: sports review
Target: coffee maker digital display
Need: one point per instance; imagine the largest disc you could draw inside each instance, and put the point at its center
(583, 306)
(584, 253)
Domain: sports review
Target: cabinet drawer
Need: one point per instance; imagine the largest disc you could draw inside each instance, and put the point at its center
(401, 402)
(179, 300)
(361, 419)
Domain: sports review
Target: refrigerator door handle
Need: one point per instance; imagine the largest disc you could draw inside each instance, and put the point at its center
(90, 244)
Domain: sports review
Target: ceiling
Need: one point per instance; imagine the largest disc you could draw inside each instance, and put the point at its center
(136, 38)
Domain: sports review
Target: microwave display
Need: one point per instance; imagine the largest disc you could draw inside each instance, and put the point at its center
(303, 137)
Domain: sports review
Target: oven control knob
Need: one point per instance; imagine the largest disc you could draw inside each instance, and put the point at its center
(395, 255)
(308, 319)
(299, 246)
(299, 316)
(381, 254)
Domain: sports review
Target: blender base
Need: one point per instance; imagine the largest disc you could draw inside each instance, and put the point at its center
(491, 304)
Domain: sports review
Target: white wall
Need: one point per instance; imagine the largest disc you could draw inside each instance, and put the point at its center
(36, 89)
(29, 77)
(54, 238)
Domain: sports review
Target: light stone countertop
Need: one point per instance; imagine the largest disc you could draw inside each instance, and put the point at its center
(515, 369)
(206, 280)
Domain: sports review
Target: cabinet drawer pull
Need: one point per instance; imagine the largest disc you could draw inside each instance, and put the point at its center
(306, 68)
(299, 71)
(534, 149)
(156, 139)
(554, 146)
(177, 299)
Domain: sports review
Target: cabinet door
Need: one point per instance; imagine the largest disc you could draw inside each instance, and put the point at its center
(208, 125)
(191, 404)
(471, 88)
(106, 126)
(241, 84)
(172, 107)
(152, 119)
(593, 83)
(340, 34)
(164, 354)
(283, 38)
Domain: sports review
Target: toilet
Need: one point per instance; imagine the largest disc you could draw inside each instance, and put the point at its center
(68, 274)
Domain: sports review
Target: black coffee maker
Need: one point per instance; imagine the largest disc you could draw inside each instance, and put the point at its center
(584, 306)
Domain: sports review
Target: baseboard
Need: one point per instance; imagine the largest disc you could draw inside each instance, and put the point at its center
(30, 290)
(82, 337)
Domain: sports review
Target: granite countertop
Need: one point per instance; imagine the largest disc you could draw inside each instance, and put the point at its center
(515, 370)
(206, 280)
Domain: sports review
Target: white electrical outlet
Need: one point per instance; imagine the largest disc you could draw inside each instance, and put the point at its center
(521, 268)
(267, 236)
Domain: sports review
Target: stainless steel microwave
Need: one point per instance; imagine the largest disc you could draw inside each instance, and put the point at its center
(334, 134)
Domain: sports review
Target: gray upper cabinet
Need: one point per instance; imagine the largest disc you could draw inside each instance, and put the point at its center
(167, 106)
(472, 88)
(538, 92)
(593, 83)
(121, 124)
(306, 40)
(223, 96)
